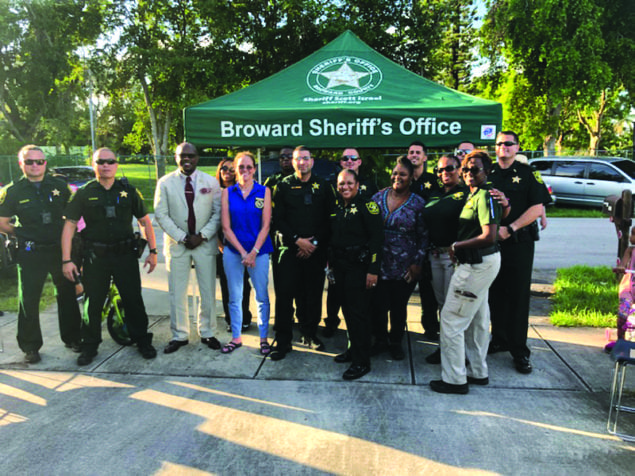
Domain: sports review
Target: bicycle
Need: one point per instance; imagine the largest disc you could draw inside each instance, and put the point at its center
(113, 314)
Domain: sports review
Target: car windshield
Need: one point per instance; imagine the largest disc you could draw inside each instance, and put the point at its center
(626, 166)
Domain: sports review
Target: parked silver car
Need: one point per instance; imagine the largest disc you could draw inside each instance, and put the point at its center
(577, 180)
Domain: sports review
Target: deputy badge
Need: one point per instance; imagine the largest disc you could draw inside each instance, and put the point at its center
(316, 186)
(123, 194)
(55, 192)
(373, 209)
(353, 209)
(362, 188)
(427, 185)
(260, 202)
(516, 179)
(538, 176)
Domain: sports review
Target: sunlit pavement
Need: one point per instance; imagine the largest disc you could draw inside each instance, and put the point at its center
(200, 412)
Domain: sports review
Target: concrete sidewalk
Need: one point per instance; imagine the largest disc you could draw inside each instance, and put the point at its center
(200, 412)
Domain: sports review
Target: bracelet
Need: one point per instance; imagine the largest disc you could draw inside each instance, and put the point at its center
(256, 250)
(67, 261)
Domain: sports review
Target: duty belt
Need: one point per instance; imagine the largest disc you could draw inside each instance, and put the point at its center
(118, 248)
(490, 250)
(27, 245)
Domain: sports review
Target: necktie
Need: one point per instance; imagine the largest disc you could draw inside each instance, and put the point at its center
(189, 198)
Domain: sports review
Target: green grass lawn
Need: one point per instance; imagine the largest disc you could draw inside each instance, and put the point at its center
(9, 291)
(563, 211)
(585, 296)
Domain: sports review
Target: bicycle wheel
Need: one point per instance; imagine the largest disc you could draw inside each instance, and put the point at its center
(116, 326)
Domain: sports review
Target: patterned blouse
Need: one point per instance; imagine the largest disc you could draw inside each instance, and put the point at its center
(405, 235)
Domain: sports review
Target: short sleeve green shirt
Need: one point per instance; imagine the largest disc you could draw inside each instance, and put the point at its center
(480, 209)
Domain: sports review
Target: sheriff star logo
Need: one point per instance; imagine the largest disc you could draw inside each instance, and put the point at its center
(316, 186)
(427, 185)
(344, 76)
(353, 210)
(516, 179)
(123, 193)
(55, 192)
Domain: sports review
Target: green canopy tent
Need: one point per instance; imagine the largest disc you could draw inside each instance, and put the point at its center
(344, 94)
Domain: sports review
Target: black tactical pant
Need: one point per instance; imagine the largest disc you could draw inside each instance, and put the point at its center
(350, 290)
(33, 268)
(124, 270)
(509, 297)
(302, 279)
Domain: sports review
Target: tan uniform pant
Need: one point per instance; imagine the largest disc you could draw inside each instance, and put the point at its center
(465, 321)
(442, 271)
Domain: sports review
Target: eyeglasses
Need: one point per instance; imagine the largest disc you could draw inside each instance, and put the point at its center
(105, 161)
(187, 156)
(473, 170)
(285, 156)
(245, 167)
(462, 151)
(34, 161)
(346, 158)
(226, 168)
(507, 143)
(449, 169)
(298, 159)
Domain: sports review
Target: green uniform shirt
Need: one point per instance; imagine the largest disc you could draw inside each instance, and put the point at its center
(274, 180)
(301, 209)
(441, 215)
(39, 210)
(480, 209)
(107, 213)
(521, 185)
(359, 224)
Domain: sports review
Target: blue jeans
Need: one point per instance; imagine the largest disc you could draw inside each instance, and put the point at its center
(259, 274)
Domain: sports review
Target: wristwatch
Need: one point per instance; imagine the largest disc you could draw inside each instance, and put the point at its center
(153, 251)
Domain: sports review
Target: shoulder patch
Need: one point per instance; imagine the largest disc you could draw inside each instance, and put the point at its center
(538, 176)
(372, 207)
(3, 195)
(458, 195)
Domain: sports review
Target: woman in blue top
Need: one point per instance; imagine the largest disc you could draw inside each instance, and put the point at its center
(246, 215)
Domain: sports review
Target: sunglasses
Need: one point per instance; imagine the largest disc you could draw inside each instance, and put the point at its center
(34, 161)
(473, 170)
(346, 158)
(462, 151)
(245, 167)
(187, 156)
(105, 161)
(507, 143)
(226, 168)
(286, 156)
(448, 169)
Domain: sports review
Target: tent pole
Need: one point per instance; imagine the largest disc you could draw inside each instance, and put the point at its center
(259, 166)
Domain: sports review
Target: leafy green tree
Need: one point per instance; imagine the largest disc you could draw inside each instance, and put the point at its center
(40, 70)
(560, 47)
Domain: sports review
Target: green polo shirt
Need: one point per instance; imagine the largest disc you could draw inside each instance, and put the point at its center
(108, 213)
(480, 209)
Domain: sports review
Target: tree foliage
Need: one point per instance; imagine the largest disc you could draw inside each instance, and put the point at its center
(41, 84)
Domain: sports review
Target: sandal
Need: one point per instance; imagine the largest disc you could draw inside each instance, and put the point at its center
(265, 348)
(230, 347)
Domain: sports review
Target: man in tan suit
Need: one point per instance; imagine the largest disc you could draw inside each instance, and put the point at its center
(187, 207)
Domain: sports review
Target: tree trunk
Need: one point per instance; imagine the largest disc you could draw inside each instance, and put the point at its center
(593, 124)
